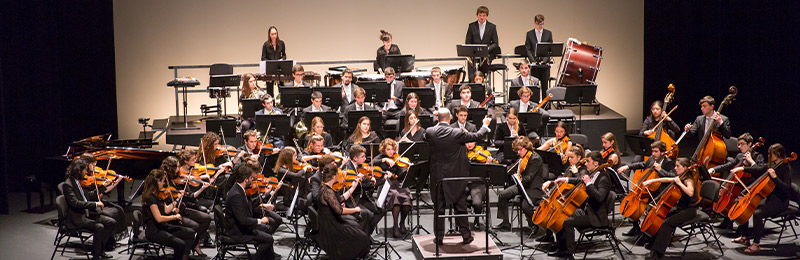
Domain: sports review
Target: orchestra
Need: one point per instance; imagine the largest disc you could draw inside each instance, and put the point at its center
(337, 176)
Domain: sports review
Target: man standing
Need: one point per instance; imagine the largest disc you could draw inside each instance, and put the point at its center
(482, 32)
(449, 159)
(537, 35)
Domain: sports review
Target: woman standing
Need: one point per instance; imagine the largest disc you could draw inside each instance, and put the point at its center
(387, 48)
(274, 48)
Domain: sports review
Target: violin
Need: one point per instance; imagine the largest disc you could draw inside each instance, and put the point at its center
(267, 148)
(754, 194)
(731, 188)
(372, 171)
(110, 174)
(165, 193)
(480, 155)
(656, 213)
(712, 146)
(186, 178)
(401, 162)
(89, 181)
(200, 170)
(344, 178)
(566, 205)
(298, 165)
(562, 145)
(222, 150)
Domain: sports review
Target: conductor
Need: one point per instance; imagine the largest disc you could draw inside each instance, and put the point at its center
(449, 159)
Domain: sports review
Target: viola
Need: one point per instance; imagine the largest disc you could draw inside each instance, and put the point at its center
(753, 195)
(569, 203)
(656, 213)
(731, 188)
(480, 155)
(712, 151)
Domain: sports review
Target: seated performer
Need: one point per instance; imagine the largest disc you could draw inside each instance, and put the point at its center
(656, 114)
(361, 195)
(387, 48)
(250, 88)
(285, 172)
(315, 182)
(358, 105)
(242, 226)
(314, 150)
(660, 163)
(610, 149)
(475, 189)
(748, 161)
(193, 215)
(461, 113)
(261, 201)
(318, 128)
(412, 105)
(269, 109)
(478, 78)
(412, 130)
(525, 78)
(363, 133)
(595, 210)
(683, 211)
(482, 32)
(524, 104)
(161, 220)
(574, 157)
(509, 128)
(339, 236)
(82, 213)
(776, 202)
(537, 35)
(347, 87)
(316, 104)
(398, 198)
(532, 177)
(110, 209)
(396, 87)
(560, 143)
(250, 147)
(466, 99)
(297, 77)
(443, 93)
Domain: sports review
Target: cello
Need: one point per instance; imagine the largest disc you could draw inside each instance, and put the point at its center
(712, 151)
(542, 214)
(659, 133)
(635, 202)
(573, 200)
(733, 185)
(657, 212)
(758, 190)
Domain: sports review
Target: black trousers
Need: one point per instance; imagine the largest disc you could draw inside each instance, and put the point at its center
(196, 220)
(565, 239)
(675, 219)
(178, 238)
(772, 206)
(263, 241)
(504, 196)
(103, 229)
(459, 206)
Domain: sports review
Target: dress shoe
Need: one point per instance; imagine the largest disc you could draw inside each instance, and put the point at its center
(546, 238)
(199, 252)
(635, 231)
(652, 256)
(725, 224)
(396, 232)
(104, 256)
(403, 229)
(503, 227)
(567, 257)
(648, 245)
(438, 241)
(468, 240)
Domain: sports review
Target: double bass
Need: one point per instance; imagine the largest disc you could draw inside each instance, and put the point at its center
(732, 186)
(658, 211)
(753, 195)
(712, 151)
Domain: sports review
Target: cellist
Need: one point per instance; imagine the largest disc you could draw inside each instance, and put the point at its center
(702, 122)
(775, 203)
(684, 210)
(531, 175)
(749, 160)
(661, 163)
(656, 114)
(594, 212)
(574, 157)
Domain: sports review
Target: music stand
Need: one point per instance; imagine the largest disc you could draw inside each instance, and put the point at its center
(226, 125)
(331, 96)
(478, 91)
(250, 106)
(580, 94)
(473, 50)
(417, 177)
(183, 84)
(375, 119)
(531, 121)
(420, 152)
(226, 80)
(639, 144)
(535, 95)
(295, 96)
(476, 115)
(508, 151)
(400, 63)
(278, 67)
(425, 121)
(553, 161)
(496, 173)
(280, 124)
(426, 96)
(375, 91)
(549, 49)
(330, 119)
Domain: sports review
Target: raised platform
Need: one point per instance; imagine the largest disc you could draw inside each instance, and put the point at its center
(424, 248)
(191, 137)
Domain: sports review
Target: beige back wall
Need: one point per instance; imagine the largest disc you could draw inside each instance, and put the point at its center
(151, 35)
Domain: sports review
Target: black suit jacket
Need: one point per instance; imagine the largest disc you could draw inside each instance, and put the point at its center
(352, 95)
(239, 213)
(469, 126)
(700, 124)
(531, 41)
(308, 109)
(77, 207)
(517, 82)
(453, 105)
(502, 131)
(667, 167)
(267, 53)
(533, 176)
(489, 36)
(448, 93)
(596, 205)
(291, 84)
(449, 158)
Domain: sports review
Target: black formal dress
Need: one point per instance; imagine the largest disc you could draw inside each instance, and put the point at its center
(370, 139)
(339, 237)
(270, 53)
(449, 159)
(171, 234)
(417, 136)
(193, 215)
(380, 59)
(242, 226)
(81, 213)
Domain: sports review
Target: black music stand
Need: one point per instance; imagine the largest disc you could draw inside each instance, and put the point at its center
(548, 49)
(330, 119)
(250, 106)
(531, 121)
(224, 81)
(580, 94)
(417, 177)
(473, 51)
(478, 91)
(426, 96)
(476, 116)
(535, 95)
(280, 68)
(421, 151)
(331, 96)
(295, 96)
(639, 144)
(375, 119)
(400, 62)
(496, 174)
(375, 91)
(425, 121)
(280, 125)
(226, 125)
(553, 161)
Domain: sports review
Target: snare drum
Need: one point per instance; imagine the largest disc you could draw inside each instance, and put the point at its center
(370, 77)
(218, 92)
(579, 57)
(415, 79)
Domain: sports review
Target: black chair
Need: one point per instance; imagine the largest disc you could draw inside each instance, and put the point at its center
(138, 240)
(224, 243)
(309, 241)
(786, 217)
(701, 224)
(579, 139)
(609, 231)
(83, 235)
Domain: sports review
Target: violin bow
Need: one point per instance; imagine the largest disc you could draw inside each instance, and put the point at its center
(664, 118)
(224, 143)
(265, 140)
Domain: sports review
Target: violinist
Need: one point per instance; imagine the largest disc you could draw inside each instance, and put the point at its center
(262, 202)
(361, 196)
(161, 219)
(510, 128)
(595, 210)
(532, 174)
(707, 119)
(524, 104)
(194, 215)
(82, 213)
(340, 235)
(661, 164)
(610, 149)
(242, 225)
(284, 170)
(684, 210)
(250, 146)
(574, 159)
(461, 113)
(560, 143)
(656, 114)
(110, 209)
(363, 133)
(314, 150)
(209, 144)
(748, 161)
(399, 198)
(465, 100)
(318, 128)
(315, 181)
(412, 130)
(477, 190)
(776, 202)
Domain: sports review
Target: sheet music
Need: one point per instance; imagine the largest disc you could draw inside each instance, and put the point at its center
(384, 192)
(522, 189)
(262, 67)
(294, 202)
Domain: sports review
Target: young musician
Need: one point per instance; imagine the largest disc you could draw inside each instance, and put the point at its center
(82, 213)
(193, 216)
(595, 210)
(250, 146)
(340, 236)
(775, 203)
(531, 175)
(250, 88)
(411, 129)
(242, 226)
(478, 77)
(707, 119)
(269, 109)
(656, 115)
(684, 210)
(315, 182)
(477, 189)
(284, 167)
(395, 101)
(298, 72)
(482, 32)
(110, 209)
(316, 104)
(525, 78)
(347, 87)
(466, 99)
(358, 105)
(574, 157)
(274, 48)
(661, 164)
(412, 105)
(442, 91)
(524, 104)
(161, 220)
(387, 48)
(537, 35)
(399, 198)
(363, 133)
(318, 128)
(748, 161)
(461, 113)
(361, 195)
(610, 149)
(561, 142)
(262, 201)
(509, 128)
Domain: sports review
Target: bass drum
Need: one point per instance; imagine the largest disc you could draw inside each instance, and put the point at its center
(580, 64)
(415, 79)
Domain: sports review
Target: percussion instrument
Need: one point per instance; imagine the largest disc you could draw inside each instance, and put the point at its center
(452, 73)
(415, 79)
(218, 92)
(580, 64)
(370, 77)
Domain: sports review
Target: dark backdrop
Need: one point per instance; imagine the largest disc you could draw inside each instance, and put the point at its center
(703, 47)
(58, 83)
